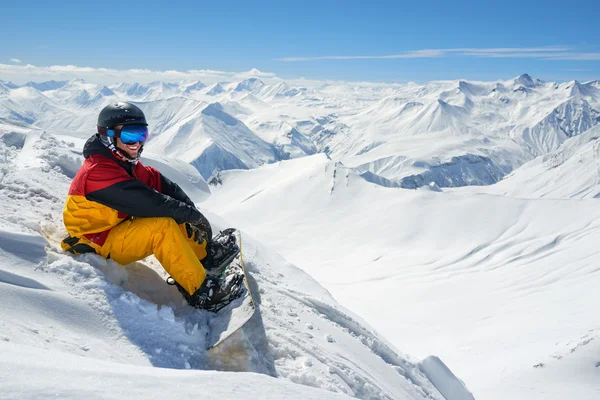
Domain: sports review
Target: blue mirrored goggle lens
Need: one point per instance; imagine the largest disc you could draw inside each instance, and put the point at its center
(133, 134)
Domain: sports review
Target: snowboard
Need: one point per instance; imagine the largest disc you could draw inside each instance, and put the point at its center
(231, 318)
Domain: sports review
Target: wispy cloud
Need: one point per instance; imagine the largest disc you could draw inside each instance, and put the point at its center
(24, 73)
(15, 60)
(577, 56)
(411, 54)
(549, 53)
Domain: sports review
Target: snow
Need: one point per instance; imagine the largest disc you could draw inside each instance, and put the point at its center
(494, 284)
(551, 176)
(60, 374)
(86, 326)
(489, 264)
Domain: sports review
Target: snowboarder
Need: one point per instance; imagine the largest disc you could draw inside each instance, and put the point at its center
(123, 210)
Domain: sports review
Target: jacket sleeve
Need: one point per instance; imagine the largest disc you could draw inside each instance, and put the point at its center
(173, 190)
(111, 186)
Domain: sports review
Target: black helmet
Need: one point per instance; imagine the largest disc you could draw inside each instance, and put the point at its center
(120, 113)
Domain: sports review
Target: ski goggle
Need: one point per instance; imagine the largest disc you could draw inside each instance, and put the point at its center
(130, 134)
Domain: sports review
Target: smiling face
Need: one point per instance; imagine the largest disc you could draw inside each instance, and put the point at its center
(132, 150)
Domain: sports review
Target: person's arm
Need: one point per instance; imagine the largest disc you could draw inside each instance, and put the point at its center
(111, 186)
(172, 189)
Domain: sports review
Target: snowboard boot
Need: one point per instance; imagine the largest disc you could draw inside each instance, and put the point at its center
(215, 293)
(221, 251)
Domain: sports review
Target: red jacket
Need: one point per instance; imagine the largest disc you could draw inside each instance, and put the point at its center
(105, 191)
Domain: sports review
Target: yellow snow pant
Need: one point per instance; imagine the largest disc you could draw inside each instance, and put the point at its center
(135, 239)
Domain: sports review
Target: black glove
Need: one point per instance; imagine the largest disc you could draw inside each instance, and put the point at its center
(199, 230)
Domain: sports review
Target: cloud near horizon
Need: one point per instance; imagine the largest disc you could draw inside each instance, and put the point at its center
(549, 53)
(21, 74)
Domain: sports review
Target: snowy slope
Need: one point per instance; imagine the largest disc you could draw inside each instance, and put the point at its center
(71, 322)
(571, 171)
(504, 289)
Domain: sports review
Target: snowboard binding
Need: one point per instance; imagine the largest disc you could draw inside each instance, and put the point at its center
(221, 251)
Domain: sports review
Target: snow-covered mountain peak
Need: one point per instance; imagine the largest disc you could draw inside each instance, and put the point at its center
(217, 111)
(575, 88)
(135, 90)
(451, 110)
(393, 101)
(595, 84)
(498, 88)
(214, 109)
(48, 85)
(527, 81)
(472, 89)
(214, 89)
(279, 89)
(162, 85)
(193, 87)
(6, 87)
(569, 172)
(106, 91)
(164, 88)
(87, 95)
(24, 94)
(249, 85)
(77, 81)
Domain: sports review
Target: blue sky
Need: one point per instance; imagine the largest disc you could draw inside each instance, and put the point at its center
(393, 40)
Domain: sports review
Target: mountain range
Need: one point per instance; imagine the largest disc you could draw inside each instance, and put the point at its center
(451, 133)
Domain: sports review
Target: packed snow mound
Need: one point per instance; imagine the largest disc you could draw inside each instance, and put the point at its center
(98, 316)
